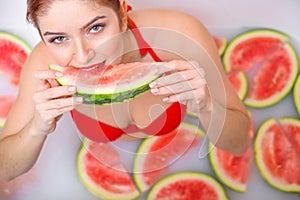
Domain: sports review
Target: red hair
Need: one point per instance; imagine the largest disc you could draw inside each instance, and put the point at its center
(36, 8)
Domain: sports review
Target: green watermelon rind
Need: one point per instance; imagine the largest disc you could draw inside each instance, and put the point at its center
(234, 185)
(296, 94)
(242, 93)
(97, 191)
(187, 175)
(144, 147)
(16, 39)
(264, 32)
(258, 155)
(108, 95)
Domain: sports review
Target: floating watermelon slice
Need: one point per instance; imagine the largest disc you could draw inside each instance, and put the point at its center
(277, 153)
(296, 94)
(187, 185)
(13, 53)
(155, 154)
(232, 170)
(6, 103)
(111, 84)
(101, 172)
(239, 81)
(221, 43)
(269, 61)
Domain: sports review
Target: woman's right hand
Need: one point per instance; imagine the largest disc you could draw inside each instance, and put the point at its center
(51, 101)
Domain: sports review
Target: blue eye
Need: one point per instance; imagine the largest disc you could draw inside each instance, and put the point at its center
(96, 28)
(58, 39)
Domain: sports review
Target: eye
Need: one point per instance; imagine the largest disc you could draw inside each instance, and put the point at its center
(58, 39)
(96, 28)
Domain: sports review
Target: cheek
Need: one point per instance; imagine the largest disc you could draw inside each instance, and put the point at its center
(62, 56)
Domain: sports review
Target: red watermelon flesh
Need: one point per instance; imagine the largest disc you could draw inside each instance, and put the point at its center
(188, 189)
(233, 170)
(13, 53)
(252, 52)
(281, 150)
(273, 76)
(156, 154)
(102, 173)
(6, 103)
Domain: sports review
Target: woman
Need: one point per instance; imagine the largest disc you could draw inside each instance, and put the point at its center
(71, 33)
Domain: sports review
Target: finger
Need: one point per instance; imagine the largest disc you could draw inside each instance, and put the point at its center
(197, 96)
(46, 78)
(60, 104)
(180, 87)
(174, 78)
(179, 65)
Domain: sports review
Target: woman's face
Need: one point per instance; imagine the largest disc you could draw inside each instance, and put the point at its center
(75, 31)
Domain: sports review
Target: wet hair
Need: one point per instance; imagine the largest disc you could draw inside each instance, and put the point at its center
(36, 8)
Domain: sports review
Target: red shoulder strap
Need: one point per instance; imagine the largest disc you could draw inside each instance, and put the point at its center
(143, 44)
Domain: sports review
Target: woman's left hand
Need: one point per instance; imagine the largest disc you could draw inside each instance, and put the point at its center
(183, 82)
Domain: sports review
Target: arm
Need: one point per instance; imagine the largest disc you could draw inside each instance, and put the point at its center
(219, 108)
(33, 116)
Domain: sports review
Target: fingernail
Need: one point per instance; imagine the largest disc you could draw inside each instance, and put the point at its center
(72, 89)
(58, 74)
(165, 99)
(79, 99)
(151, 85)
(154, 90)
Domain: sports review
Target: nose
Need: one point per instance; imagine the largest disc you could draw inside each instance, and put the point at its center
(83, 52)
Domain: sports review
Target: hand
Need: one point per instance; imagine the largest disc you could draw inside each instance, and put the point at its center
(184, 82)
(51, 100)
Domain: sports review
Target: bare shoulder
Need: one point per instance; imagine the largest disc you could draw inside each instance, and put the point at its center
(169, 19)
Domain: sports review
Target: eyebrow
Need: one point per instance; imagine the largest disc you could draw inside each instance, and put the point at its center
(84, 27)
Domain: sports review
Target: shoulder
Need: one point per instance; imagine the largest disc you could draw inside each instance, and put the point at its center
(169, 19)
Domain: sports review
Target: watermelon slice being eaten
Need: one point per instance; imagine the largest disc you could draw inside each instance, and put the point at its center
(269, 61)
(109, 84)
(13, 53)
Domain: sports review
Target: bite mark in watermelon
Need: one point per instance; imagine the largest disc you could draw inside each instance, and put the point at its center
(187, 185)
(269, 61)
(6, 103)
(110, 84)
(104, 175)
(277, 153)
(232, 170)
(13, 53)
(156, 154)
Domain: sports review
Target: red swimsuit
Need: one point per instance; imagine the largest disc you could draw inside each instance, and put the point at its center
(165, 123)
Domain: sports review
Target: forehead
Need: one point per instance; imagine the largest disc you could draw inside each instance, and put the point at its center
(73, 12)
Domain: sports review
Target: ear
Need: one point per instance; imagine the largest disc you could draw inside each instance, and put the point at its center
(123, 15)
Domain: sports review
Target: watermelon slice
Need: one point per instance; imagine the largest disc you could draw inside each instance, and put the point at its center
(111, 84)
(239, 81)
(232, 170)
(269, 61)
(221, 43)
(6, 103)
(296, 94)
(101, 172)
(277, 153)
(13, 53)
(155, 154)
(187, 185)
